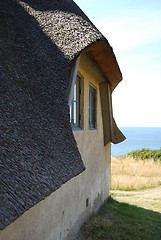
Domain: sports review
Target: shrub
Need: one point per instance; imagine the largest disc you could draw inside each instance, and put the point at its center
(145, 153)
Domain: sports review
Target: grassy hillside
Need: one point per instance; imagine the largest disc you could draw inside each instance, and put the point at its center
(131, 174)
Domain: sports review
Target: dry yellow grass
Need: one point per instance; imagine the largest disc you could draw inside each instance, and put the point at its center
(148, 199)
(131, 174)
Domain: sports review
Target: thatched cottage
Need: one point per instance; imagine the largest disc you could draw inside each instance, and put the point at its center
(56, 125)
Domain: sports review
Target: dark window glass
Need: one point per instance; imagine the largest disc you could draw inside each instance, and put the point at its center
(92, 107)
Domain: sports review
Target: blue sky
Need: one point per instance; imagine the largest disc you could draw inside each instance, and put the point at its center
(133, 29)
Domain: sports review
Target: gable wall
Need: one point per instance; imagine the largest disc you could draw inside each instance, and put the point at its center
(61, 214)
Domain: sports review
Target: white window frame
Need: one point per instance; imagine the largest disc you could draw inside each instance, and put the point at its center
(75, 107)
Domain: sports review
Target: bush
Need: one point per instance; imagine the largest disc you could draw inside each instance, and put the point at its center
(145, 153)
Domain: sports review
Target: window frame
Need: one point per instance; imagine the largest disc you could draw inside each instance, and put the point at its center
(92, 113)
(75, 107)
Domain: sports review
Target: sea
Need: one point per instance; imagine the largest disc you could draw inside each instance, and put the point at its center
(137, 138)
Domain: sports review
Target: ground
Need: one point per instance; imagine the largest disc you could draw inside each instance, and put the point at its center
(149, 199)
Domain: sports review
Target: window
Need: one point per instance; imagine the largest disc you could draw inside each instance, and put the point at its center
(75, 104)
(92, 107)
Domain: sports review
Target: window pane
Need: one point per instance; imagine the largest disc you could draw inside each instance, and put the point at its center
(92, 107)
(75, 105)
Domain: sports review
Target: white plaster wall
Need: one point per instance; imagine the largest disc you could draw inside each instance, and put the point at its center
(63, 212)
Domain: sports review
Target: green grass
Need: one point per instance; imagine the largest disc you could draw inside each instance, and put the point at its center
(145, 153)
(122, 221)
(130, 215)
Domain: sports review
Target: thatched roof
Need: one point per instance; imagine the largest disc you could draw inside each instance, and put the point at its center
(39, 41)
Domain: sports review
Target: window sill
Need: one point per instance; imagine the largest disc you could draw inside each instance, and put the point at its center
(92, 129)
(77, 129)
